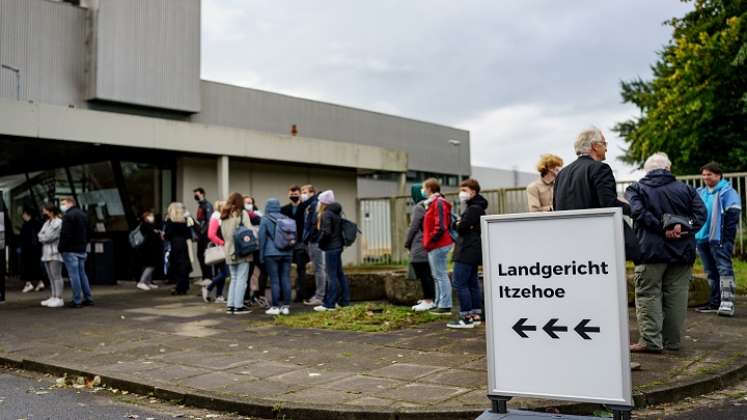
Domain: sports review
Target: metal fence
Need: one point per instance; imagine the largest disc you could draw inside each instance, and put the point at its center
(384, 221)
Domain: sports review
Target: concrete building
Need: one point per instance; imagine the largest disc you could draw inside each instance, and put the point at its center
(103, 99)
(492, 178)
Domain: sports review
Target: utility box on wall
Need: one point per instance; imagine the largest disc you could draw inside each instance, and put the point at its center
(146, 53)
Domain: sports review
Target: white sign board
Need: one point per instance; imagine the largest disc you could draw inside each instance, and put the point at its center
(556, 306)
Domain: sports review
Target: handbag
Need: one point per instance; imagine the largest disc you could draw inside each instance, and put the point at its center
(669, 221)
(215, 254)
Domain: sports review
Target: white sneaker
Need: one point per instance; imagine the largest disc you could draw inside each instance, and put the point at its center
(153, 285)
(273, 311)
(285, 310)
(39, 286)
(56, 303)
(45, 302)
(423, 306)
(322, 308)
(28, 287)
(143, 286)
(314, 301)
(220, 299)
(205, 282)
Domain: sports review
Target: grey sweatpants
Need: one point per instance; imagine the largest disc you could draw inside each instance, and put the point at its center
(320, 273)
(54, 272)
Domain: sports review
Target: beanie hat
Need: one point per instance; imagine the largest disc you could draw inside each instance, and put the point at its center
(327, 197)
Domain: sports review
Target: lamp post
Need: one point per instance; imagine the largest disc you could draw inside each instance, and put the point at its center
(457, 144)
(17, 71)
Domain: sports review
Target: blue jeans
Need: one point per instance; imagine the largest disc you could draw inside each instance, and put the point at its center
(237, 287)
(219, 280)
(335, 278)
(437, 259)
(278, 269)
(716, 258)
(75, 263)
(468, 289)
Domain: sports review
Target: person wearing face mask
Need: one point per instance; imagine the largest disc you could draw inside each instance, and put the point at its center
(437, 242)
(468, 256)
(539, 192)
(418, 256)
(49, 237)
(150, 250)
(295, 210)
(73, 241)
(311, 240)
(204, 211)
(256, 296)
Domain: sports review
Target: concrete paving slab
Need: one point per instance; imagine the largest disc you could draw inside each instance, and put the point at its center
(363, 384)
(422, 393)
(309, 377)
(212, 381)
(405, 371)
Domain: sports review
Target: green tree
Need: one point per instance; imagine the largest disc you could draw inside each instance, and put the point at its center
(695, 107)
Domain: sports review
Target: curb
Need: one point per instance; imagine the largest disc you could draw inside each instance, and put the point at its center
(261, 408)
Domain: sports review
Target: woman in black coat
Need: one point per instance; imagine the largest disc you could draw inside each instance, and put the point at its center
(468, 256)
(178, 234)
(149, 251)
(31, 252)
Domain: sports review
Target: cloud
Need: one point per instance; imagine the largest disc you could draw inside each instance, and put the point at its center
(540, 67)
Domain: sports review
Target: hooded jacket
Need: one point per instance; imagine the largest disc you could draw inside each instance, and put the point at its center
(658, 193)
(436, 223)
(724, 208)
(468, 249)
(267, 246)
(414, 237)
(330, 232)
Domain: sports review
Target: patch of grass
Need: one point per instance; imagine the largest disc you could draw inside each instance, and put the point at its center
(372, 317)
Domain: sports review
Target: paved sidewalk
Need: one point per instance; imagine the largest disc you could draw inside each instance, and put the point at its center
(181, 347)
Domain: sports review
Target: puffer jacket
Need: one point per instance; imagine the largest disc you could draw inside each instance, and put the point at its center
(49, 236)
(414, 239)
(654, 195)
(267, 246)
(330, 232)
(468, 249)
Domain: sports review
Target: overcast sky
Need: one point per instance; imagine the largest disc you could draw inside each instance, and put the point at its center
(522, 76)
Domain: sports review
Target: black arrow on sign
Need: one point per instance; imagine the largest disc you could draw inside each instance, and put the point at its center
(550, 328)
(519, 327)
(582, 329)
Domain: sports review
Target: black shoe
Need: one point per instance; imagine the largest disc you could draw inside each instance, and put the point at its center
(87, 303)
(441, 311)
(229, 310)
(73, 305)
(241, 311)
(707, 309)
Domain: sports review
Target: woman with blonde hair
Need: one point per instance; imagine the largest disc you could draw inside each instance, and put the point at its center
(178, 234)
(539, 192)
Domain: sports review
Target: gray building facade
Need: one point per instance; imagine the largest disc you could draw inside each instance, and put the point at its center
(103, 99)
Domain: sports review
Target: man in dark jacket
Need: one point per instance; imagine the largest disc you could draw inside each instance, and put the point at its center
(311, 240)
(587, 183)
(468, 256)
(296, 211)
(204, 211)
(662, 276)
(72, 246)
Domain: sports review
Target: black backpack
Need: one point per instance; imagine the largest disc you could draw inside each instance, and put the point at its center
(349, 232)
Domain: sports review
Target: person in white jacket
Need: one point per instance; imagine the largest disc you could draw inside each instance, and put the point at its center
(49, 237)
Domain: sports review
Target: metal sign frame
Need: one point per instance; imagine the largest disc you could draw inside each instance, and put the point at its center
(622, 301)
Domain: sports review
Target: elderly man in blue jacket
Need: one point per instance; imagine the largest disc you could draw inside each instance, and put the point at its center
(716, 238)
(667, 213)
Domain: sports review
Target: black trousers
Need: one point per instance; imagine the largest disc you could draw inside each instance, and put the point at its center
(423, 272)
(207, 271)
(300, 258)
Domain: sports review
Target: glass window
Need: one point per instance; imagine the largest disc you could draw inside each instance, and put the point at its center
(141, 183)
(98, 194)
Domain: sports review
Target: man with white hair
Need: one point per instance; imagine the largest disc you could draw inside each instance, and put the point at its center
(587, 183)
(667, 214)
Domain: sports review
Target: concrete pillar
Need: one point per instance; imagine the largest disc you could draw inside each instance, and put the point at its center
(223, 177)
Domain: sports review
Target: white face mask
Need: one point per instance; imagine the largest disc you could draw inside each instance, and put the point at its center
(304, 197)
(150, 219)
(248, 207)
(464, 196)
(64, 207)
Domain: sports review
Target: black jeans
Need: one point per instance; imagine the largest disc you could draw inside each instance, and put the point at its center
(300, 258)
(202, 243)
(423, 273)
